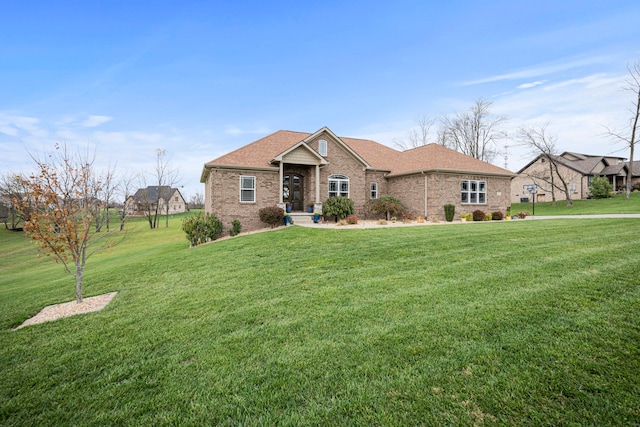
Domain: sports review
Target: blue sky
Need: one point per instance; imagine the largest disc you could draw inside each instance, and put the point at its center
(201, 78)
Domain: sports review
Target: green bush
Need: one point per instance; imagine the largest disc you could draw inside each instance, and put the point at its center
(271, 215)
(201, 228)
(497, 216)
(479, 215)
(236, 227)
(599, 188)
(449, 212)
(340, 207)
(385, 205)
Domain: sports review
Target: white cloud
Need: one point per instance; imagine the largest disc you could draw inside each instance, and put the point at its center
(540, 70)
(532, 84)
(575, 109)
(16, 125)
(93, 121)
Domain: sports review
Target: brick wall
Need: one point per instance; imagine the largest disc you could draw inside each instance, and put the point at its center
(444, 189)
(539, 173)
(223, 186)
(342, 162)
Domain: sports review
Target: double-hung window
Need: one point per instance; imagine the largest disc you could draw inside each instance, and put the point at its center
(374, 190)
(474, 192)
(338, 185)
(247, 188)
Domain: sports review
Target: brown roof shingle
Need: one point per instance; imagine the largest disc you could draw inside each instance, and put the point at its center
(429, 157)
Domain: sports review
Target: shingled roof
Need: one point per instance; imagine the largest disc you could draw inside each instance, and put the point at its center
(151, 193)
(260, 153)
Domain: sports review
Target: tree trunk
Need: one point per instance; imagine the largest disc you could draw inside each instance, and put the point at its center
(79, 271)
(553, 185)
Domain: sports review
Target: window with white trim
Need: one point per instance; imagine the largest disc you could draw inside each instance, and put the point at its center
(247, 188)
(338, 185)
(374, 190)
(474, 192)
(322, 147)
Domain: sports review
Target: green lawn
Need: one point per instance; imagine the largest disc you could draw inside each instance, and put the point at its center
(615, 205)
(499, 323)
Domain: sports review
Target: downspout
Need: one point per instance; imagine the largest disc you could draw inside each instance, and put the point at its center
(425, 195)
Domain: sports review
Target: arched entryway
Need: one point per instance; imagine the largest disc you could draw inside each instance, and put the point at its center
(293, 190)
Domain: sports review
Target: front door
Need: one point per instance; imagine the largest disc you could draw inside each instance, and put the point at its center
(292, 186)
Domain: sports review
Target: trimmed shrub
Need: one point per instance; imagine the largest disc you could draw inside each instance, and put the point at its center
(449, 212)
(236, 227)
(497, 216)
(478, 215)
(271, 215)
(340, 207)
(352, 219)
(201, 228)
(385, 205)
(599, 188)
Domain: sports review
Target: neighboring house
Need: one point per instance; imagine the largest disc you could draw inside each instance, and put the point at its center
(144, 200)
(303, 168)
(577, 170)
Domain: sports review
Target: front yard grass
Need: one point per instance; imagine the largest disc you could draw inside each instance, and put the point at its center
(503, 323)
(617, 204)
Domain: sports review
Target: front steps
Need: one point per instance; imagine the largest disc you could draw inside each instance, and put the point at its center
(301, 218)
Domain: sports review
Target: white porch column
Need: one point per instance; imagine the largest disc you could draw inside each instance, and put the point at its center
(281, 179)
(317, 183)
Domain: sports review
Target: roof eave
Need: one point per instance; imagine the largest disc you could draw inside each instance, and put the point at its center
(451, 171)
(207, 169)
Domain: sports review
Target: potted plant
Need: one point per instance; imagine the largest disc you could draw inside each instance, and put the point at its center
(316, 217)
(289, 207)
(310, 207)
(287, 219)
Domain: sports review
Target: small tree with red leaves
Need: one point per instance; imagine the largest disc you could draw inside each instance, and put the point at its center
(64, 198)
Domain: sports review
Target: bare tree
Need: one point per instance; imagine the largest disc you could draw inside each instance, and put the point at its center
(160, 174)
(541, 143)
(196, 201)
(172, 179)
(126, 188)
(164, 177)
(63, 202)
(108, 185)
(418, 136)
(13, 191)
(474, 132)
(629, 135)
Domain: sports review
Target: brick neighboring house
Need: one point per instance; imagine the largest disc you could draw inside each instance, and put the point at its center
(145, 200)
(577, 169)
(307, 168)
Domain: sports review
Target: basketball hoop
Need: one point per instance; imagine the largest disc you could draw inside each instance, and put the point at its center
(531, 189)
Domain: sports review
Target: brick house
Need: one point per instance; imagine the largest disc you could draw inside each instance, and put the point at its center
(307, 168)
(577, 170)
(145, 199)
